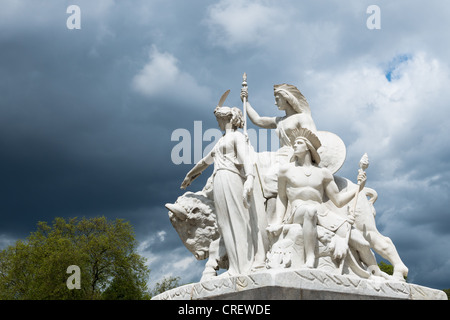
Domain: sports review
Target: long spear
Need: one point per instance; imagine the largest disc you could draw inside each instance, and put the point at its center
(363, 165)
(263, 241)
(244, 86)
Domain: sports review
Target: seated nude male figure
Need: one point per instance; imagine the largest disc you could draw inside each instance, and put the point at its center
(303, 184)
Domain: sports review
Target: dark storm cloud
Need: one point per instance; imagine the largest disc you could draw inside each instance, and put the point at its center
(73, 141)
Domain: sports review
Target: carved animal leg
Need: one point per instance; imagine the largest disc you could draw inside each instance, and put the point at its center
(376, 271)
(366, 255)
(386, 248)
(212, 265)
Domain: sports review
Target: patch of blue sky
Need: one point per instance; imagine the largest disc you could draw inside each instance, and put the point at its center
(394, 64)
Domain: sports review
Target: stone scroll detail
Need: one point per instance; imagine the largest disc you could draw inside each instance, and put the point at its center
(324, 285)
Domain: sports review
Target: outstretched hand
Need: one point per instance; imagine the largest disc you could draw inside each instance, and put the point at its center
(188, 180)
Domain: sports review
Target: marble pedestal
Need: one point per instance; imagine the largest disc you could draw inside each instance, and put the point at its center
(302, 284)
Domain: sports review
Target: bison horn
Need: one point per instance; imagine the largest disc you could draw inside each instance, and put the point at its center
(178, 210)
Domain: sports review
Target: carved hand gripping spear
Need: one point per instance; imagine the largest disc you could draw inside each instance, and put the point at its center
(363, 165)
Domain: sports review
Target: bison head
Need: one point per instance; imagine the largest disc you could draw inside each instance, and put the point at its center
(193, 217)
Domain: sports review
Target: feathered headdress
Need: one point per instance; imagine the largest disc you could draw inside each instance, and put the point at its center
(312, 141)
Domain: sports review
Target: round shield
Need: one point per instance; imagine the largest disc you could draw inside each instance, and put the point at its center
(332, 152)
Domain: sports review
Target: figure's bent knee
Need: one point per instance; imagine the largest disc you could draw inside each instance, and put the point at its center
(303, 213)
(293, 229)
(311, 213)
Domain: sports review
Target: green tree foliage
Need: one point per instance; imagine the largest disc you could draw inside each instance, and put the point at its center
(447, 292)
(104, 250)
(389, 269)
(165, 284)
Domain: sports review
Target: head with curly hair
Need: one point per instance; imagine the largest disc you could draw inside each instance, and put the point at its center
(229, 115)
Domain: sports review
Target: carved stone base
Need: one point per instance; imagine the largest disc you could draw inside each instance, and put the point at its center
(302, 284)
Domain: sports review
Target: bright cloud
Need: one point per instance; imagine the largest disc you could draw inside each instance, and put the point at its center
(177, 262)
(396, 111)
(235, 23)
(385, 117)
(161, 75)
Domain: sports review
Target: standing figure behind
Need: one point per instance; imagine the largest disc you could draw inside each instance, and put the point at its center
(297, 115)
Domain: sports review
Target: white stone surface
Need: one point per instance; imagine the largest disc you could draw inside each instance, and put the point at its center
(301, 284)
(281, 223)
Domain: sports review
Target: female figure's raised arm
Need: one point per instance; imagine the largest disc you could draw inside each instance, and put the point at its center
(263, 122)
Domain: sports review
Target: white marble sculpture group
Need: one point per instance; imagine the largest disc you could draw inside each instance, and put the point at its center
(283, 209)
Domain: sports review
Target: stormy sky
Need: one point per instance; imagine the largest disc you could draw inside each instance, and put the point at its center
(87, 115)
